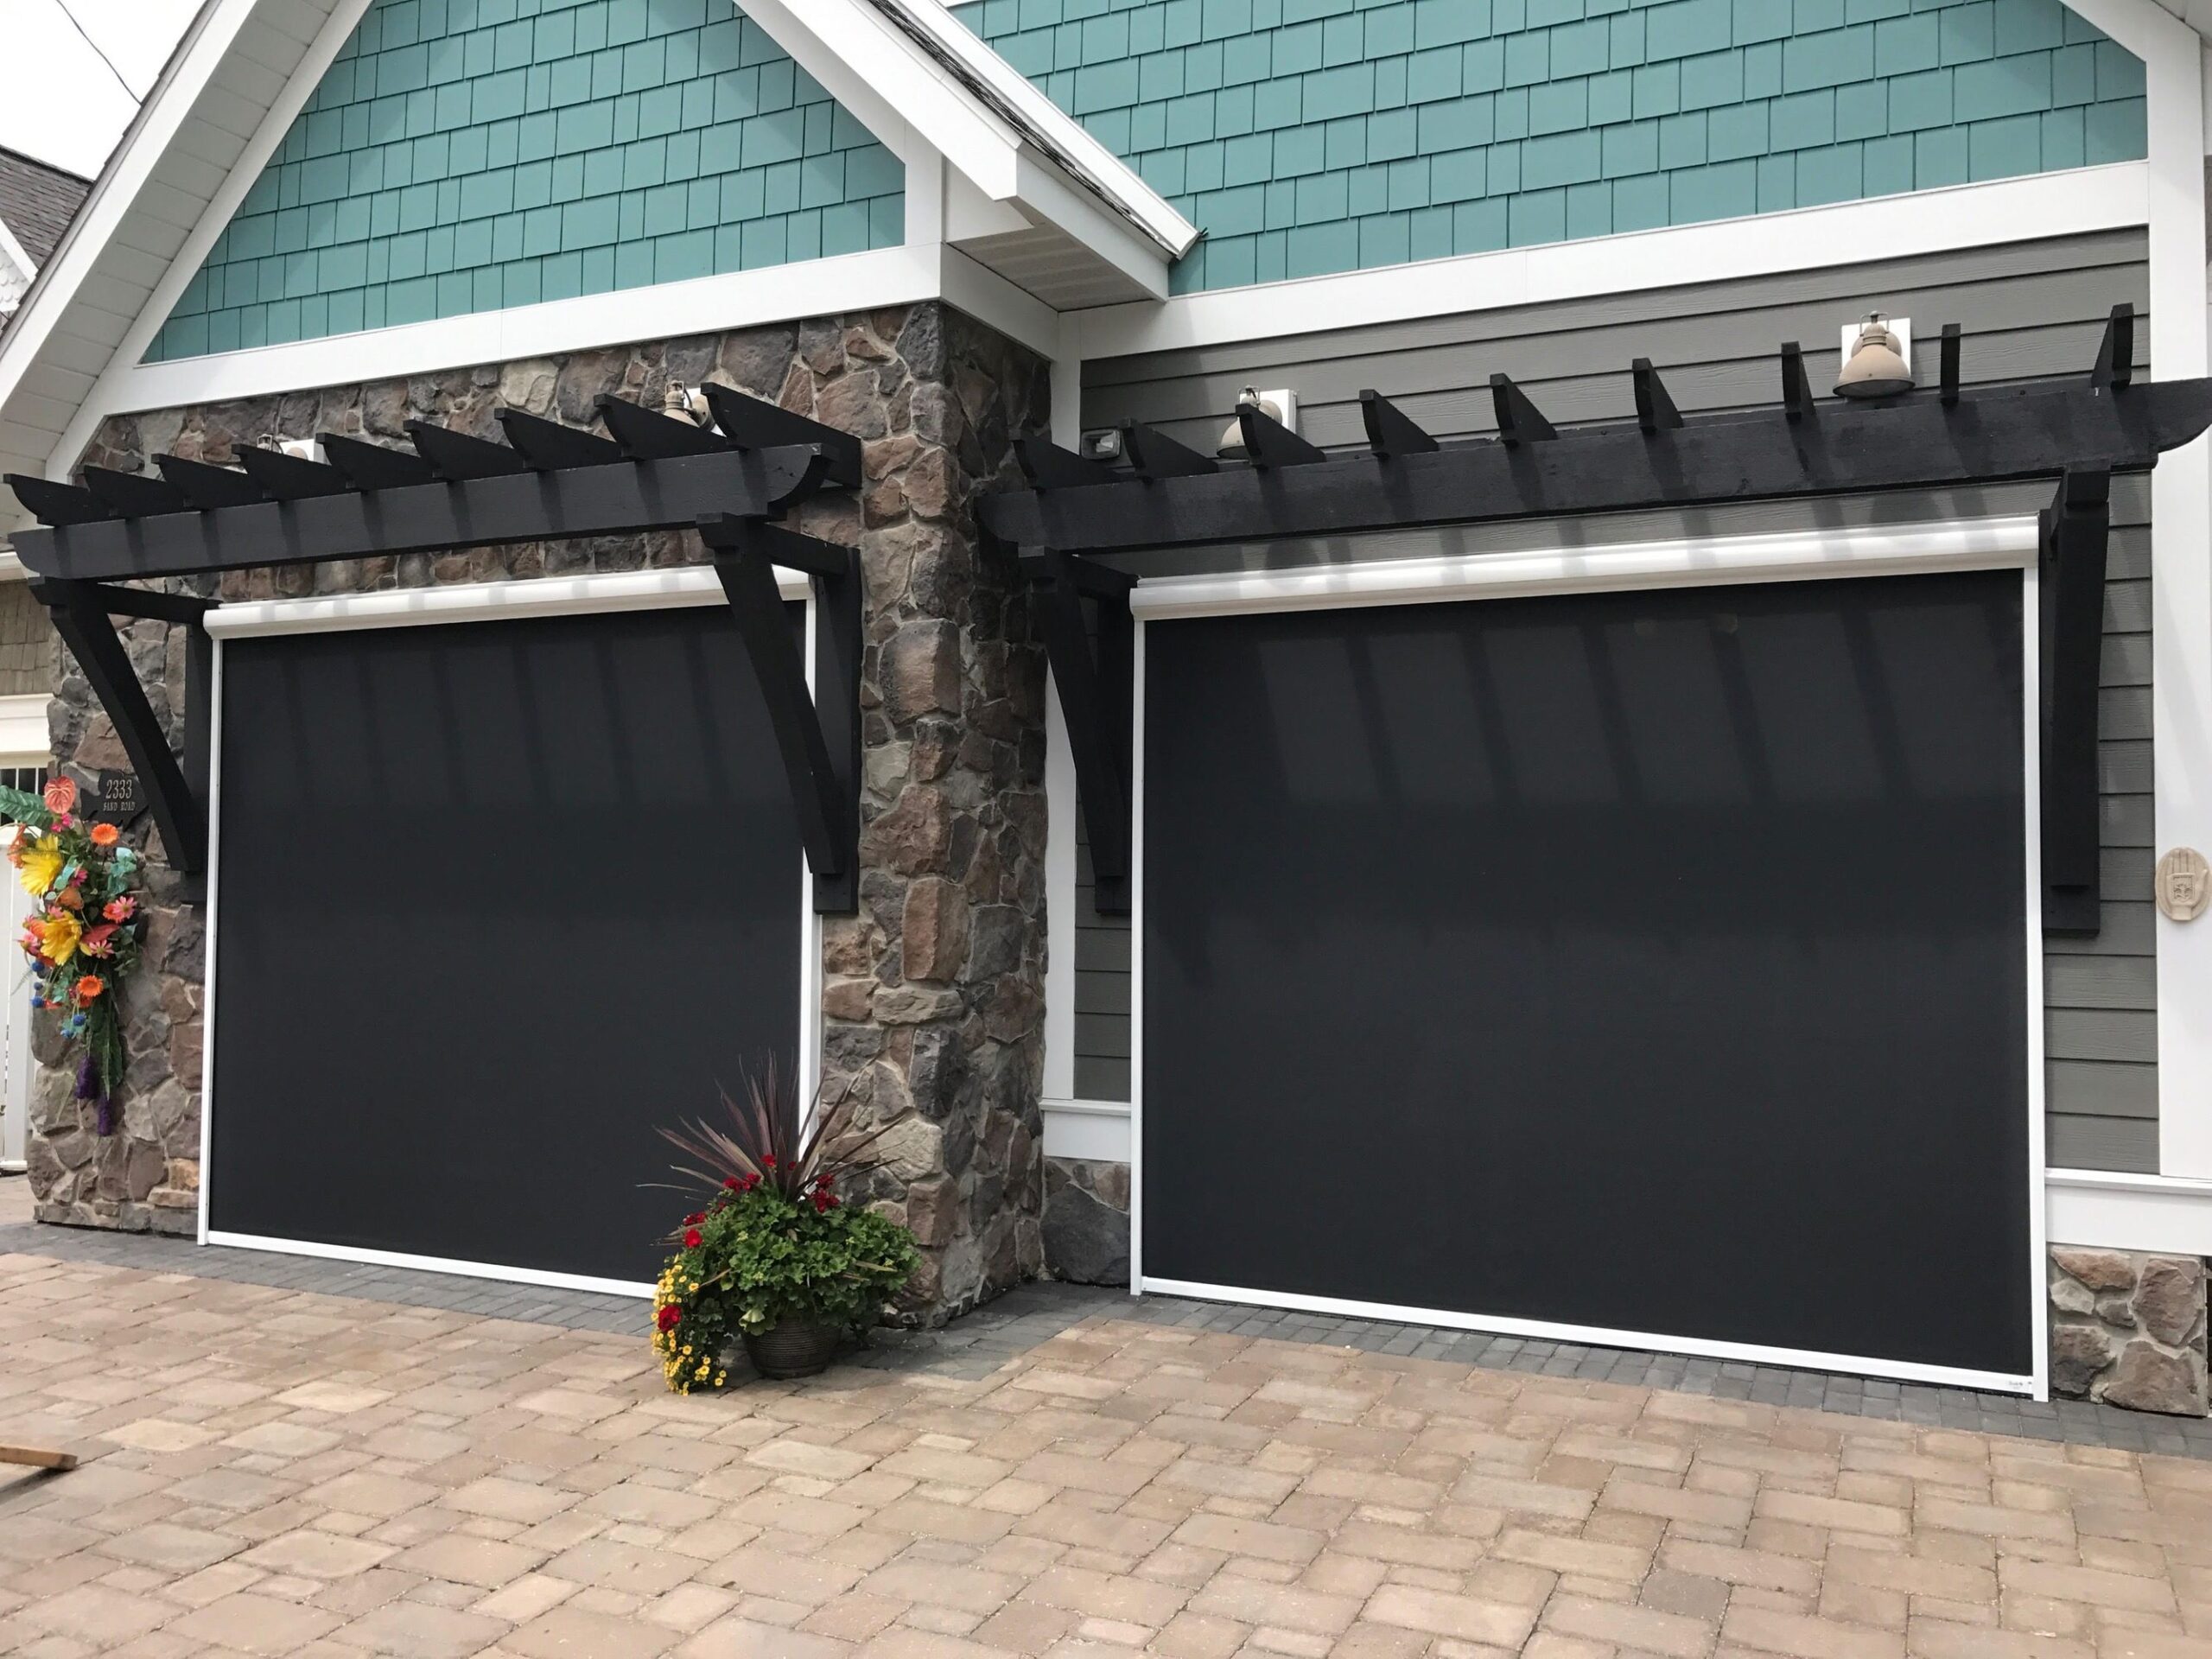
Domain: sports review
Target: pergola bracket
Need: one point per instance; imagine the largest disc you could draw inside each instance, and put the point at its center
(176, 788)
(1095, 685)
(818, 731)
(2071, 592)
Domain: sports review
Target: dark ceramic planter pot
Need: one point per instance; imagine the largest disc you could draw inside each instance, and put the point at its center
(794, 1347)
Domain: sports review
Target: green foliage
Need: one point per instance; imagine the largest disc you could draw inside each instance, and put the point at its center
(776, 1243)
(763, 1257)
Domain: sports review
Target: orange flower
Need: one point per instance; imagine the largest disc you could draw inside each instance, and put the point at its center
(106, 835)
(60, 794)
(90, 986)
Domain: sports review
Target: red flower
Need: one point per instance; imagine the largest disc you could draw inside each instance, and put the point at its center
(669, 1317)
(692, 1236)
(730, 1184)
(694, 1220)
(768, 1163)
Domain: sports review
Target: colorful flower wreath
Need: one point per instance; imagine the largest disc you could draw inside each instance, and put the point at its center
(83, 941)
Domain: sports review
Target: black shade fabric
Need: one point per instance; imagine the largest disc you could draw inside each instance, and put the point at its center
(1653, 961)
(495, 900)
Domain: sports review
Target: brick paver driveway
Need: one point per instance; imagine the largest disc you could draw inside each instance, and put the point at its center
(272, 1472)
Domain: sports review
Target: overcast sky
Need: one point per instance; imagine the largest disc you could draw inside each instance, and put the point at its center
(58, 101)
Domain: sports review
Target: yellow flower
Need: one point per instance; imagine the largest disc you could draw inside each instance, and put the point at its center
(42, 862)
(58, 935)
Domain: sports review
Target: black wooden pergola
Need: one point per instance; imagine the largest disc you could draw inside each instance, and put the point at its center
(648, 471)
(2077, 431)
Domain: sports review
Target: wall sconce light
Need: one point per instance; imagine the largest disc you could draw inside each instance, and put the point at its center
(687, 403)
(1876, 364)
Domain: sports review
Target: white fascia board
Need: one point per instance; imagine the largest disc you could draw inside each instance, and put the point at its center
(1093, 160)
(1042, 191)
(2080, 201)
(880, 71)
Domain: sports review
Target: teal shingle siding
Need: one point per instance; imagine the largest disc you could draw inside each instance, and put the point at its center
(465, 156)
(1311, 135)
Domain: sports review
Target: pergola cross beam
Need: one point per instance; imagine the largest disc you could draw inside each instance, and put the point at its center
(651, 472)
(2081, 428)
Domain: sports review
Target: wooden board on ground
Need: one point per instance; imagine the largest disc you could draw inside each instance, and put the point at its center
(38, 1456)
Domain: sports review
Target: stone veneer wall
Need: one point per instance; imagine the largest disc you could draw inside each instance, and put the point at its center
(935, 992)
(2128, 1329)
(1087, 1221)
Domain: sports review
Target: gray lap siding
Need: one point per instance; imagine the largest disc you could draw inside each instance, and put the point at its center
(2028, 308)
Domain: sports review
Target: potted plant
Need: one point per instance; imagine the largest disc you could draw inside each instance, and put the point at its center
(778, 1258)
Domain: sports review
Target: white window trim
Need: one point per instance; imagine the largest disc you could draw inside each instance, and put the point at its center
(473, 602)
(23, 738)
(2004, 544)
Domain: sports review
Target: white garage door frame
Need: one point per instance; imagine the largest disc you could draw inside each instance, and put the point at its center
(2006, 543)
(512, 600)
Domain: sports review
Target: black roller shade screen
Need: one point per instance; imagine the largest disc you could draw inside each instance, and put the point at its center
(495, 901)
(1650, 961)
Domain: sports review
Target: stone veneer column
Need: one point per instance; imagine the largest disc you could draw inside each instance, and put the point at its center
(933, 1000)
(2127, 1328)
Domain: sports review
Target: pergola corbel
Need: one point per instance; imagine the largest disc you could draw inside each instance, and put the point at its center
(2077, 431)
(731, 483)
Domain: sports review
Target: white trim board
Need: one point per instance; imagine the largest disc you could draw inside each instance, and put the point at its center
(877, 280)
(548, 596)
(2106, 1209)
(24, 730)
(488, 602)
(430, 1264)
(1785, 556)
(2112, 197)
(1095, 1130)
(1990, 543)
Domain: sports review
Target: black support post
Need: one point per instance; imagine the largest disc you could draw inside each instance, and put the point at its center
(2071, 591)
(175, 790)
(817, 735)
(1096, 691)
